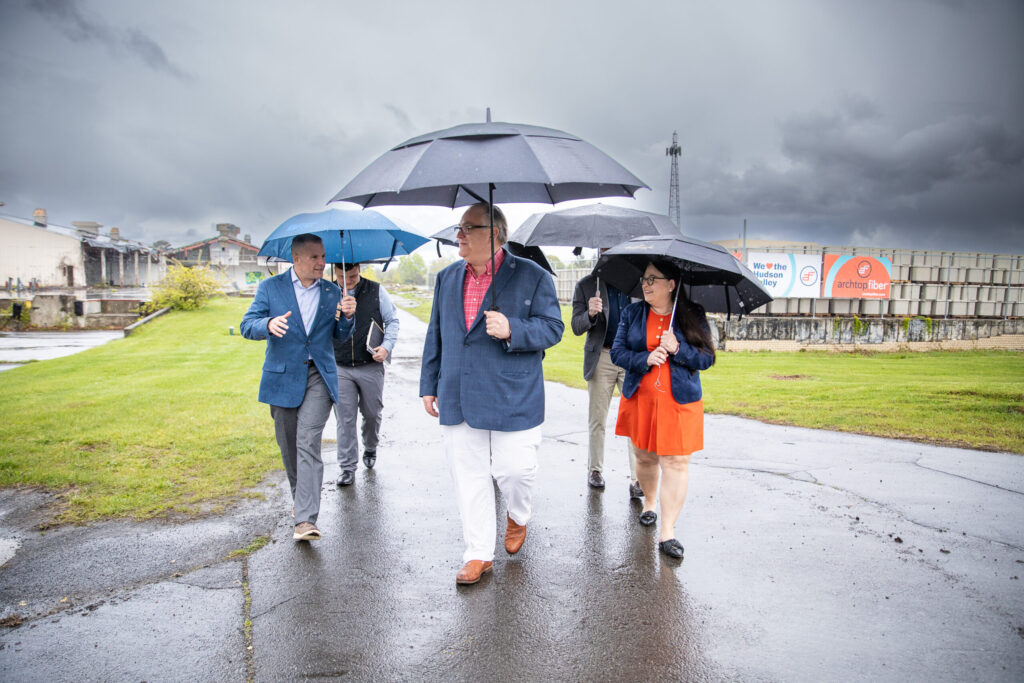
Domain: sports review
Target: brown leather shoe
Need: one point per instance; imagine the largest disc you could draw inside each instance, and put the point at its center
(472, 571)
(515, 534)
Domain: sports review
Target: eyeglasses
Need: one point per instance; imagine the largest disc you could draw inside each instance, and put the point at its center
(464, 229)
(649, 280)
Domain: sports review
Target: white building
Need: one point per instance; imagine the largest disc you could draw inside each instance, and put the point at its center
(232, 258)
(36, 254)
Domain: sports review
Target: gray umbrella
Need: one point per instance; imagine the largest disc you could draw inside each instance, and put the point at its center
(592, 226)
(504, 162)
(448, 237)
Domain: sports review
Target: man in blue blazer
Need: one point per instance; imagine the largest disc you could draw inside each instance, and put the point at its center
(481, 375)
(299, 314)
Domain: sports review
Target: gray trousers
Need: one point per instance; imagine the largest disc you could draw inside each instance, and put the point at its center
(360, 389)
(299, 432)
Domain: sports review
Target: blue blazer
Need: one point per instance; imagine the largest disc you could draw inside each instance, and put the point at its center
(630, 352)
(490, 384)
(285, 373)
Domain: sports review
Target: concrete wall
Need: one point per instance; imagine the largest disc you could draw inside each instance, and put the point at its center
(28, 252)
(791, 334)
(58, 311)
(53, 310)
(934, 284)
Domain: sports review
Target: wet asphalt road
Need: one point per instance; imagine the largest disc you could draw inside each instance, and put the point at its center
(810, 556)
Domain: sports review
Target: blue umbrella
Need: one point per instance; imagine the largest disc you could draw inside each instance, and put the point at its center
(349, 236)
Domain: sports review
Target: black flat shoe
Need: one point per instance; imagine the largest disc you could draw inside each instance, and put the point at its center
(672, 548)
(346, 478)
(369, 459)
(648, 518)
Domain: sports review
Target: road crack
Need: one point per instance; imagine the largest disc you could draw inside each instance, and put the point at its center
(250, 655)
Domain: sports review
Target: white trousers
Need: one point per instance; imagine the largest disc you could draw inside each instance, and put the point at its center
(477, 455)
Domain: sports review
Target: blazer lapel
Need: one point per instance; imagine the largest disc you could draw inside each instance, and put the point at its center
(501, 280)
(293, 302)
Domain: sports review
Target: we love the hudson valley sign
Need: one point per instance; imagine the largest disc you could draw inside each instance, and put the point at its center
(812, 276)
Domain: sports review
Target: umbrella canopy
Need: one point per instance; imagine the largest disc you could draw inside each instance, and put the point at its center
(712, 276)
(349, 236)
(447, 236)
(592, 226)
(491, 161)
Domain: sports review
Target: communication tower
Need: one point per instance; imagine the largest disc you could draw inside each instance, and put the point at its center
(673, 186)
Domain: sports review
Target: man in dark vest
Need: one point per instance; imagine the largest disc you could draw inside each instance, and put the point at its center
(361, 370)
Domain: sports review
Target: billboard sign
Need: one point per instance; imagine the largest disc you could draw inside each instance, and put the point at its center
(787, 275)
(856, 277)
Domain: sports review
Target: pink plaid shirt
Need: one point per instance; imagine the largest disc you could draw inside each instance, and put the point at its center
(474, 288)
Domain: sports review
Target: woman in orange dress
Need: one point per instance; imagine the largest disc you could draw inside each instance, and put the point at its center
(661, 409)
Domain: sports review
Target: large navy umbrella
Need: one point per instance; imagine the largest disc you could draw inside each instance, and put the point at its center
(713, 277)
(593, 226)
(349, 236)
(490, 162)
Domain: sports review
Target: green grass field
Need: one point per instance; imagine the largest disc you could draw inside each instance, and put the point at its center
(166, 421)
(973, 399)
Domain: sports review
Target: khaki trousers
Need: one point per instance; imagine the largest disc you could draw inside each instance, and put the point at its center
(607, 376)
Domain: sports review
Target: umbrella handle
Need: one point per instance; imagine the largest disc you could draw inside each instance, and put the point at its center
(494, 280)
(675, 305)
(341, 233)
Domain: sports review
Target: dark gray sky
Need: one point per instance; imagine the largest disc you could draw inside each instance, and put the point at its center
(860, 122)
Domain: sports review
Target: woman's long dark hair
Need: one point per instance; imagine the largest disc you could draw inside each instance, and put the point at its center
(690, 317)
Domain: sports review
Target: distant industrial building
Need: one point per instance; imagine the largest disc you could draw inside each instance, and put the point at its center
(234, 259)
(37, 254)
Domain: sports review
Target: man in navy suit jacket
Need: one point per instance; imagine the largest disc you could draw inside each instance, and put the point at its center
(481, 375)
(299, 314)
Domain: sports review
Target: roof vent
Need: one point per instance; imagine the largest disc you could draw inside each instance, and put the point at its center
(87, 227)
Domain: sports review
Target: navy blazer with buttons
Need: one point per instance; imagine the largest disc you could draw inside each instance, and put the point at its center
(630, 352)
(285, 371)
(488, 383)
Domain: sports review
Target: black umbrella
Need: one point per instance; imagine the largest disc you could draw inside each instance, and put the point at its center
(592, 226)
(504, 162)
(713, 277)
(447, 236)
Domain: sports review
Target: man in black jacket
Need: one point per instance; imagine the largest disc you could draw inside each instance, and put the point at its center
(361, 370)
(595, 311)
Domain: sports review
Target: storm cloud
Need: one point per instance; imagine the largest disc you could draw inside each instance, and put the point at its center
(886, 124)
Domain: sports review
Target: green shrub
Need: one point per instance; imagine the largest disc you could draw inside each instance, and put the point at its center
(184, 289)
